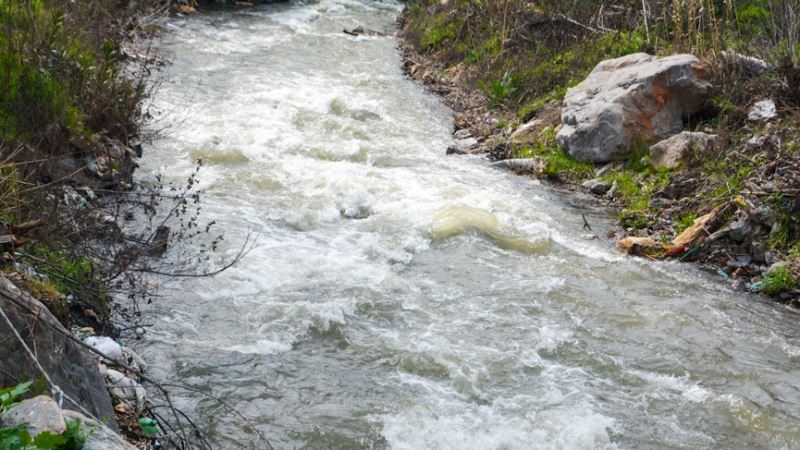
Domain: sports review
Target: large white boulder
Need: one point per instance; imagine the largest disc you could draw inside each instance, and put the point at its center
(635, 98)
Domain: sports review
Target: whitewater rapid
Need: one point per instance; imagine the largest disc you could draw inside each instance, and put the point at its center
(399, 298)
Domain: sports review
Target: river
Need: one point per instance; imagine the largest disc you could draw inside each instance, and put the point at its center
(399, 298)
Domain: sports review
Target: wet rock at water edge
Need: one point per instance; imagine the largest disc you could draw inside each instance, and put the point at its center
(633, 98)
(361, 31)
(669, 153)
(520, 164)
(160, 241)
(462, 134)
(463, 146)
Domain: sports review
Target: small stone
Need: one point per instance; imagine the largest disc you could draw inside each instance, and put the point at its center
(763, 111)
(740, 229)
(669, 153)
(756, 141)
(750, 64)
(739, 285)
(612, 191)
(40, 414)
(596, 186)
(604, 169)
(462, 134)
(758, 251)
(740, 261)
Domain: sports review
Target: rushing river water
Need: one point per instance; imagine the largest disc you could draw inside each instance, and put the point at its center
(399, 298)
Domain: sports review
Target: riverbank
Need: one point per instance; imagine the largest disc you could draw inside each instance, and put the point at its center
(77, 235)
(505, 70)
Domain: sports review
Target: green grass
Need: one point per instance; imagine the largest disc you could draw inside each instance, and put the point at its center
(66, 273)
(685, 221)
(438, 31)
(778, 280)
(556, 161)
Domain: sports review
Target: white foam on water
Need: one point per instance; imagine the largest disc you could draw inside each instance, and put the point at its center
(691, 391)
(355, 317)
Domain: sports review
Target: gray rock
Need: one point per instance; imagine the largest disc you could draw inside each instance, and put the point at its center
(39, 413)
(596, 186)
(669, 153)
(71, 367)
(749, 64)
(463, 133)
(763, 111)
(739, 285)
(759, 252)
(100, 436)
(522, 164)
(740, 261)
(637, 97)
(455, 150)
(740, 229)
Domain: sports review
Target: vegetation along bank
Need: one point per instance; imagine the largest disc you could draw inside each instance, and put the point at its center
(685, 115)
(76, 237)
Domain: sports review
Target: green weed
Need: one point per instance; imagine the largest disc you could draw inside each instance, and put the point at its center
(498, 90)
(778, 280)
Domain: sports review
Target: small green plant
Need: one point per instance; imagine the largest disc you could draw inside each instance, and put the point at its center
(633, 219)
(498, 90)
(684, 222)
(779, 279)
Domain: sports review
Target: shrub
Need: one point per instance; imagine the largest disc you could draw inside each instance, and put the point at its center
(59, 65)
